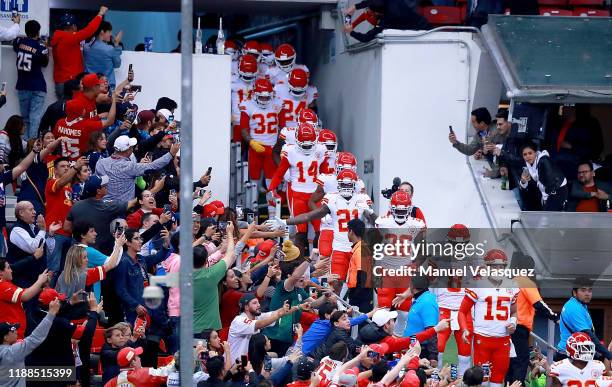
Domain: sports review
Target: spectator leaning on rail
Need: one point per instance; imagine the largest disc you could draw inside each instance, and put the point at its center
(13, 354)
(586, 194)
(32, 56)
(391, 14)
(101, 56)
(122, 169)
(542, 184)
(66, 45)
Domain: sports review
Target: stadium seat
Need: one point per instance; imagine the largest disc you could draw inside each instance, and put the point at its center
(588, 3)
(588, 12)
(544, 11)
(98, 340)
(556, 3)
(442, 15)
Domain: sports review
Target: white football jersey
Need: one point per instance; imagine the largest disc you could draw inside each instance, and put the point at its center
(572, 376)
(263, 121)
(304, 168)
(241, 92)
(234, 68)
(327, 369)
(328, 182)
(277, 75)
(287, 133)
(342, 211)
(449, 298)
(398, 233)
(492, 309)
(262, 69)
(292, 105)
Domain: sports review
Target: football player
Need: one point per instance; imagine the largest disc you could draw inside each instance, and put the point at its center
(251, 48)
(284, 57)
(259, 124)
(287, 133)
(494, 318)
(343, 206)
(579, 369)
(296, 95)
(329, 143)
(449, 302)
(231, 49)
(266, 59)
(242, 90)
(303, 161)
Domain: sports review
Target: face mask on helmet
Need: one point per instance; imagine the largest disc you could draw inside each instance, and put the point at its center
(307, 147)
(247, 77)
(400, 213)
(581, 350)
(267, 58)
(285, 64)
(346, 188)
(263, 98)
(297, 92)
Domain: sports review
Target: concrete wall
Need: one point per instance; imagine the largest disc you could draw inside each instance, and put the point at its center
(393, 103)
(159, 75)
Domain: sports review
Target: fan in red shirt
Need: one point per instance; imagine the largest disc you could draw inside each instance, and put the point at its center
(133, 374)
(11, 295)
(77, 129)
(58, 192)
(147, 204)
(87, 96)
(66, 46)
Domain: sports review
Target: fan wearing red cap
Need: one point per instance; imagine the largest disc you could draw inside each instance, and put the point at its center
(296, 94)
(304, 163)
(493, 307)
(78, 125)
(133, 374)
(259, 128)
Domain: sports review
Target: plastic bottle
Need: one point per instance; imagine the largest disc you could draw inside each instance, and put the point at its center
(220, 39)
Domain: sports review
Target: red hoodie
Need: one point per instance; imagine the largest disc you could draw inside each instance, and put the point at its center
(66, 48)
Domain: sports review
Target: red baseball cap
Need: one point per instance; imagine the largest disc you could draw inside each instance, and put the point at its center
(48, 295)
(381, 348)
(74, 109)
(90, 80)
(210, 210)
(126, 355)
(263, 250)
(219, 204)
(411, 379)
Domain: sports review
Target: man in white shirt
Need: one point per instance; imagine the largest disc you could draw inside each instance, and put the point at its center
(249, 322)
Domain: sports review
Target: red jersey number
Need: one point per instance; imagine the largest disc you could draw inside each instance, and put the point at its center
(501, 311)
(312, 170)
(267, 123)
(289, 111)
(344, 216)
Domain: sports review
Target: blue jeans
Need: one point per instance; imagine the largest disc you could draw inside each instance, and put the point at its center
(31, 104)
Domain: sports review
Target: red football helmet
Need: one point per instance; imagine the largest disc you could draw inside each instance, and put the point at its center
(231, 47)
(251, 47)
(579, 346)
(284, 56)
(495, 257)
(267, 53)
(347, 180)
(401, 206)
(458, 233)
(345, 160)
(264, 92)
(298, 82)
(305, 138)
(308, 115)
(247, 68)
(328, 138)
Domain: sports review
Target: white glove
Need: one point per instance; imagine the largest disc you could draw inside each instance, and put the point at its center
(365, 208)
(276, 224)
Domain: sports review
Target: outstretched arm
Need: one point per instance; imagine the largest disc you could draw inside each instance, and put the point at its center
(310, 216)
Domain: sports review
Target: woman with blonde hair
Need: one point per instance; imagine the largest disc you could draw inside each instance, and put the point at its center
(76, 276)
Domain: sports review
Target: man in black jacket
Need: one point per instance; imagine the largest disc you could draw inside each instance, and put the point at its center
(391, 14)
(340, 333)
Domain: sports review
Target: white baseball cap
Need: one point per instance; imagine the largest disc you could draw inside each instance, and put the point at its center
(382, 316)
(123, 143)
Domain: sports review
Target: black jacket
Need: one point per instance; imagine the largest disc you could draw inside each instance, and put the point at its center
(549, 175)
(334, 337)
(577, 193)
(396, 14)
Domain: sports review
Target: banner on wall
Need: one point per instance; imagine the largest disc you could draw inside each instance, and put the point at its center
(29, 10)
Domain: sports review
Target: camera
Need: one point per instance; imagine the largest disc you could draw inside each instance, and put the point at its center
(388, 192)
(153, 296)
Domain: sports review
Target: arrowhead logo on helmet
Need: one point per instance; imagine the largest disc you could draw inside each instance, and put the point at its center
(284, 56)
(306, 138)
(264, 92)
(496, 257)
(401, 206)
(328, 139)
(251, 47)
(579, 346)
(247, 68)
(298, 82)
(345, 160)
(347, 180)
(308, 115)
